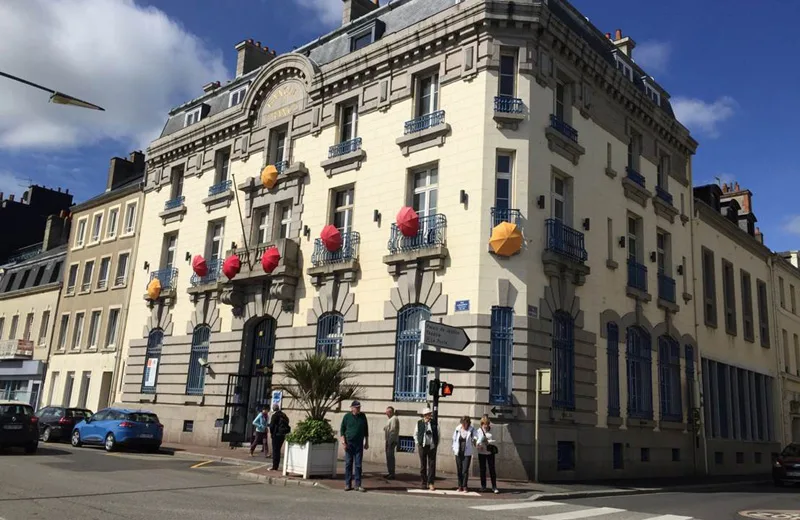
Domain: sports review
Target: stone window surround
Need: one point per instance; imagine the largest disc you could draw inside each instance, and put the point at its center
(351, 160)
(119, 226)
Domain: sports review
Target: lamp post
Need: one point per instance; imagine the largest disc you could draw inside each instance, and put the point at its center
(55, 96)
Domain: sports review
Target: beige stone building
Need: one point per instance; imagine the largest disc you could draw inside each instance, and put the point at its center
(786, 277)
(89, 326)
(473, 114)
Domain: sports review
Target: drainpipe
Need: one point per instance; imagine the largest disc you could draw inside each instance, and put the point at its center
(778, 347)
(699, 364)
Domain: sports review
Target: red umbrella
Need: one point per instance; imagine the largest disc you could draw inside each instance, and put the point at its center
(231, 266)
(199, 266)
(408, 221)
(270, 259)
(331, 238)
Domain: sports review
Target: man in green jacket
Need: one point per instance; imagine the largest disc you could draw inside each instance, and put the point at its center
(354, 434)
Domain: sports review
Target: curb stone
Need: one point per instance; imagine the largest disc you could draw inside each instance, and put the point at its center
(280, 481)
(639, 491)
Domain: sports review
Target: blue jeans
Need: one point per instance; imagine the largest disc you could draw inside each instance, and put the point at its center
(353, 454)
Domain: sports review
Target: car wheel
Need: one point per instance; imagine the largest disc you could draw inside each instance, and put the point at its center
(153, 449)
(76, 439)
(30, 449)
(111, 443)
(46, 434)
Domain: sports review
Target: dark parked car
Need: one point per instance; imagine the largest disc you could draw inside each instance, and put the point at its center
(56, 422)
(116, 427)
(18, 426)
(786, 468)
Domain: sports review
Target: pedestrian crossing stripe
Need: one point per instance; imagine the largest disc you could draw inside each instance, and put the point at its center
(577, 515)
(575, 512)
(516, 505)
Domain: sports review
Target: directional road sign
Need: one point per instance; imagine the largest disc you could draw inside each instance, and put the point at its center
(443, 336)
(502, 411)
(433, 359)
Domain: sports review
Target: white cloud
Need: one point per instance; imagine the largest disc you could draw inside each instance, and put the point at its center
(133, 61)
(792, 225)
(12, 184)
(653, 56)
(702, 116)
(329, 12)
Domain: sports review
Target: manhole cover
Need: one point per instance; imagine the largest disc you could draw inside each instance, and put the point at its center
(772, 514)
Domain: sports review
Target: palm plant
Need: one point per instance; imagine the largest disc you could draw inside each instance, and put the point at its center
(319, 383)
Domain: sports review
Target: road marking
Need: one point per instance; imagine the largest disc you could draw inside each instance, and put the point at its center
(669, 517)
(444, 492)
(577, 515)
(516, 505)
(201, 464)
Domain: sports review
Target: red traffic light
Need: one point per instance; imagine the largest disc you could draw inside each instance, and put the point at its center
(447, 389)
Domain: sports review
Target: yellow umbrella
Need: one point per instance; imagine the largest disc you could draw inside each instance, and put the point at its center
(269, 176)
(506, 239)
(154, 289)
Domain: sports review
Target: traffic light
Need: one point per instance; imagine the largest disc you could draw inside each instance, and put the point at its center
(447, 389)
(433, 387)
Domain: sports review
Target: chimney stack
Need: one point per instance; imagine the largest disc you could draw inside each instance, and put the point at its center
(251, 55)
(624, 44)
(11, 197)
(355, 9)
(56, 232)
(121, 171)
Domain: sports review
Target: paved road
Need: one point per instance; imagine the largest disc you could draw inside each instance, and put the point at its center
(86, 483)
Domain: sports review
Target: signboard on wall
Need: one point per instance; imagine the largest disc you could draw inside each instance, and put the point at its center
(277, 398)
(150, 372)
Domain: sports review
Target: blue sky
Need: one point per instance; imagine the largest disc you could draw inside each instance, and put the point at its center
(729, 72)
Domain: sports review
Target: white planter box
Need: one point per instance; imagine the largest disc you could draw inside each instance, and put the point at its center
(311, 460)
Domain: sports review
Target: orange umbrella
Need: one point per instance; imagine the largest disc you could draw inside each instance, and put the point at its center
(154, 289)
(506, 239)
(269, 176)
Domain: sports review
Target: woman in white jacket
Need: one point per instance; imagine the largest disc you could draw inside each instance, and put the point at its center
(464, 439)
(487, 450)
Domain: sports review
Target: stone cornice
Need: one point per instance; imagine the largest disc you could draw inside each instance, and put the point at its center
(707, 214)
(21, 293)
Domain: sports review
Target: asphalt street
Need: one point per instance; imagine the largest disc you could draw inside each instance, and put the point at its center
(89, 484)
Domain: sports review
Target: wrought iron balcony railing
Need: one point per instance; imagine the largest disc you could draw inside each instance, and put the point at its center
(345, 147)
(424, 122)
(506, 215)
(168, 277)
(214, 267)
(281, 166)
(174, 203)
(666, 288)
(507, 105)
(635, 176)
(664, 195)
(220, 187)
(561, 126)
(432, 230)
(637, 275)
(348, 251)
(565, 241)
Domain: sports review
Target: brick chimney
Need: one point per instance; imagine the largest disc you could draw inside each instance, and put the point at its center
(744, 197)
(354, 9)
(121, 171)
(251, 55)
(56, 232)
(624, 44)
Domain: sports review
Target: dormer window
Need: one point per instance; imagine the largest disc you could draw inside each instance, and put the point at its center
(237, 96)
(193, 116)
(652, 93)
(366, 34)
(623, 67)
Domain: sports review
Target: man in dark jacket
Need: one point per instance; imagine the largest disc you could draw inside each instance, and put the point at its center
(354, 434)
(278, 428)
(427, 439)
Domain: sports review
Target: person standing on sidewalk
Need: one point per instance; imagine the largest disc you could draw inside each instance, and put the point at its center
(463, 443)
(392, 434)
(354, 433)
(279, 428)
(260, 435)
(427, 438)
(486, 454)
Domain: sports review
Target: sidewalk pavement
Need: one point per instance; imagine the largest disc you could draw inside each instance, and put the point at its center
(407, 479)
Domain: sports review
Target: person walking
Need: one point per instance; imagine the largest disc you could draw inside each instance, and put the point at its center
(260, 435)
(464, 438)
(392, 434)
(485, 446)
(279, 428)
(354, 433)
(427, 438)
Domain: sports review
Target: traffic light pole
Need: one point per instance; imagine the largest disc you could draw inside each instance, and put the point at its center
(436, 397)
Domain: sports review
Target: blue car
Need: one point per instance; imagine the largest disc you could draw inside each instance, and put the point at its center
(116, 427)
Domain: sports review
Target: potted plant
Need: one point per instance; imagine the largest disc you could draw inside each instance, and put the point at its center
(317, 384)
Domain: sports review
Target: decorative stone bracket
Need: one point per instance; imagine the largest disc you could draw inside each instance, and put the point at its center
(175, 214)
(563, 145)
(427, 138)
(344, 163)
(561, 266)
(426, 259)
(665, 209)
(345, 271)
(219, 200)
(636, 192)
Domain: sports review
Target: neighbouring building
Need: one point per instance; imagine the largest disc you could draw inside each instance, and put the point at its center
(786, 277)
(24, 220)
(29, 290)
(92, 309)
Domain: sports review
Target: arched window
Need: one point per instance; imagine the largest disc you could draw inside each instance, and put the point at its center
(612, 357)
(669, 379)
(410, 379)
(563, 361)
(329, 334)
(501, 352)
(640, 376)
(151, 360)
(263, 346)
(197, 371)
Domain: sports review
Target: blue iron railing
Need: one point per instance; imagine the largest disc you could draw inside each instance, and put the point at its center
(501, 352)
(174, 203)
(281, 166)
(505, 215)
(167, 277)
(666, 288)
(218, 188)
(507, 105)
(563, 377)
(410, 378)
(431, 233)
(424, 122)
(211, 276)
(565, 241)
(637, 275)
(406, 444)
(640, 374)
(635, 176)
(350, 146)
(329, 334)
(664, 195)
(348, 251)
(561, 126)
(196, 380)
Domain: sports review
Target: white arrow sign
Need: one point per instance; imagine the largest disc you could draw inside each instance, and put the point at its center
(443, 336)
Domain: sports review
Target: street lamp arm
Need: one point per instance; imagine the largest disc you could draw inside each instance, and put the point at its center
(29, 83)
(55, 96)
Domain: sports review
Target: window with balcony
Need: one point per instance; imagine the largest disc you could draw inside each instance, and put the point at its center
(12, 331)
(26, 332)
(427, 95)
(111, 327)
(97, 227)
(501, 354)
(410, 378)
(640, 375)
(236, 97)
(634, 157)
(669, 379)
(176, 189)
(502, 210)
(130, 218)
(507, 84)
(277, 147)
(63, 330)
(121, 274)
(343, 200)
(102, 276)
(612, 362)
(637, 271)
(43, 326)
(662, 179)
(763, 312)
(113, 221)
(747, 306)
(196, 379)
(77, 332)
(329, 334)
(425, 195)
(284, 223)
(348, 119)
(563, 361)
(80, 232)
(709, 288)
(561, 199)
(88, 272)
(729, 297)
(261, 226)
(561, 237)
(666, 283)
(94, 328)
(214, 240)
(222, 166)
(169, 250)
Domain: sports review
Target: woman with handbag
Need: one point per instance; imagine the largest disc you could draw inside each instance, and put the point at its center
(487, 450)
